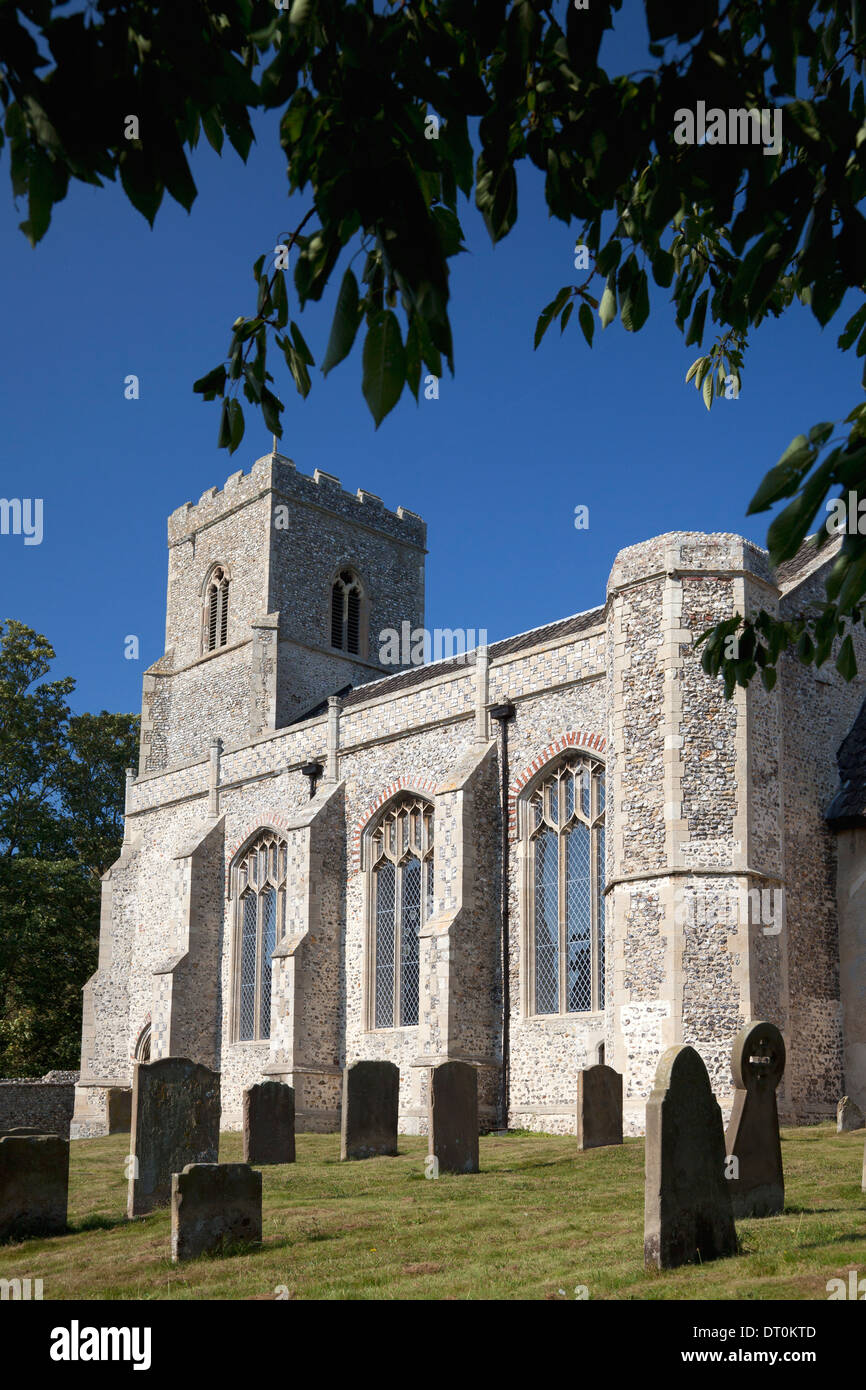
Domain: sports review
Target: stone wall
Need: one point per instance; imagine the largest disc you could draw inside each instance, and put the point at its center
(45, 1104)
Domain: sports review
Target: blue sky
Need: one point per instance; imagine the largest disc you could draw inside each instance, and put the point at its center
(496, 465)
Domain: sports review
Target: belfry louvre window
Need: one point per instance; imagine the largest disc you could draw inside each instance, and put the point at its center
(260, 890)
(217, 611)
(566, 889)
(402, 868)
(346, 612)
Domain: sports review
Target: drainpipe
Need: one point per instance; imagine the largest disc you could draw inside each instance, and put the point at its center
(502, 714)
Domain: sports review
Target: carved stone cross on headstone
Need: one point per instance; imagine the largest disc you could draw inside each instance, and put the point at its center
(756, 1178)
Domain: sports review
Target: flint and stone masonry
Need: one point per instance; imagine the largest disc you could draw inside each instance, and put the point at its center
(708, 803)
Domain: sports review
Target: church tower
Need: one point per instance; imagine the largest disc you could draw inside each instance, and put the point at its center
(278, 588)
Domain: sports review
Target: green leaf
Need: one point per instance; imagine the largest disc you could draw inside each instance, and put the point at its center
(384, 365)
(300, 345)
(696, 327)
(607, 308)
(271, 409)
(635, 309)
(566, 315)
(299, 13)
(212, 383)
(549, 312)
(347, 317)
(846, 661)
(587, 322)
(236, 424)
(708, 390)
(784, 478)
(693, 369)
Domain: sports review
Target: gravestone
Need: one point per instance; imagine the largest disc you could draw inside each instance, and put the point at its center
(175, 1121)
(757, 1064)
(863, 1184)
(368, 1123)
(599, 1107)
(453, 1117)
(687, 1204)
(269, 1123)
(34, 1185)
(848, 1116)
(118, 1109)
(213, 1207)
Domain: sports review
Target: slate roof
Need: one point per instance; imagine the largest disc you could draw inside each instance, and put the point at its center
(405, 680)
(848, 807)
(807, 559)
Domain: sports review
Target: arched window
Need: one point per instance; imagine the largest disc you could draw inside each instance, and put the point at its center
(260, 920)
(346, 596)
(401, 862)
(216, 617)
(565, 827)
(142, 1047)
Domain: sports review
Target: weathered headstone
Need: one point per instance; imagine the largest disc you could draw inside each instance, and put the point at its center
(863, 1184)
(34, 1185)
(368, 1124)
(687, 1205)
(118, 1108)
(757, 1182)
(213, 1207)
(453, 1117)
(175, 1121)
(269, 1123)
(599, 1107)
(848, 1116)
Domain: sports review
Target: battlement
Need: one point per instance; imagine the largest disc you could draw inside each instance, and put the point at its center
(277, 474)
(691, 552)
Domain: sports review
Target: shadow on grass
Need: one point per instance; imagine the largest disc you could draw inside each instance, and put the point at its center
(98, 1223)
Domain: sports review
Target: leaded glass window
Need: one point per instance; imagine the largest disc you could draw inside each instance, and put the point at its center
(402, 867)
(565, 824)
(260, 885)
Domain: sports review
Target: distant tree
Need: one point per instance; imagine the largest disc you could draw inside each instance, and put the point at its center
(378, 103)
(61, 805)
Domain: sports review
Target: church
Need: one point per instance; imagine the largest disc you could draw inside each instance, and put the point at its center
(555, 849)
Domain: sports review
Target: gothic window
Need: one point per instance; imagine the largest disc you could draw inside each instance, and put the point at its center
(260, 895)
(216, 619)
(346, 596)
(565, 825)
(401, 861)
(142, 1047)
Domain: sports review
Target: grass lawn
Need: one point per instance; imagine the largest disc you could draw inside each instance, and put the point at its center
(539, 1219)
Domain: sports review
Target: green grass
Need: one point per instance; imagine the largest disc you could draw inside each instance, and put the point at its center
(538, 1220)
